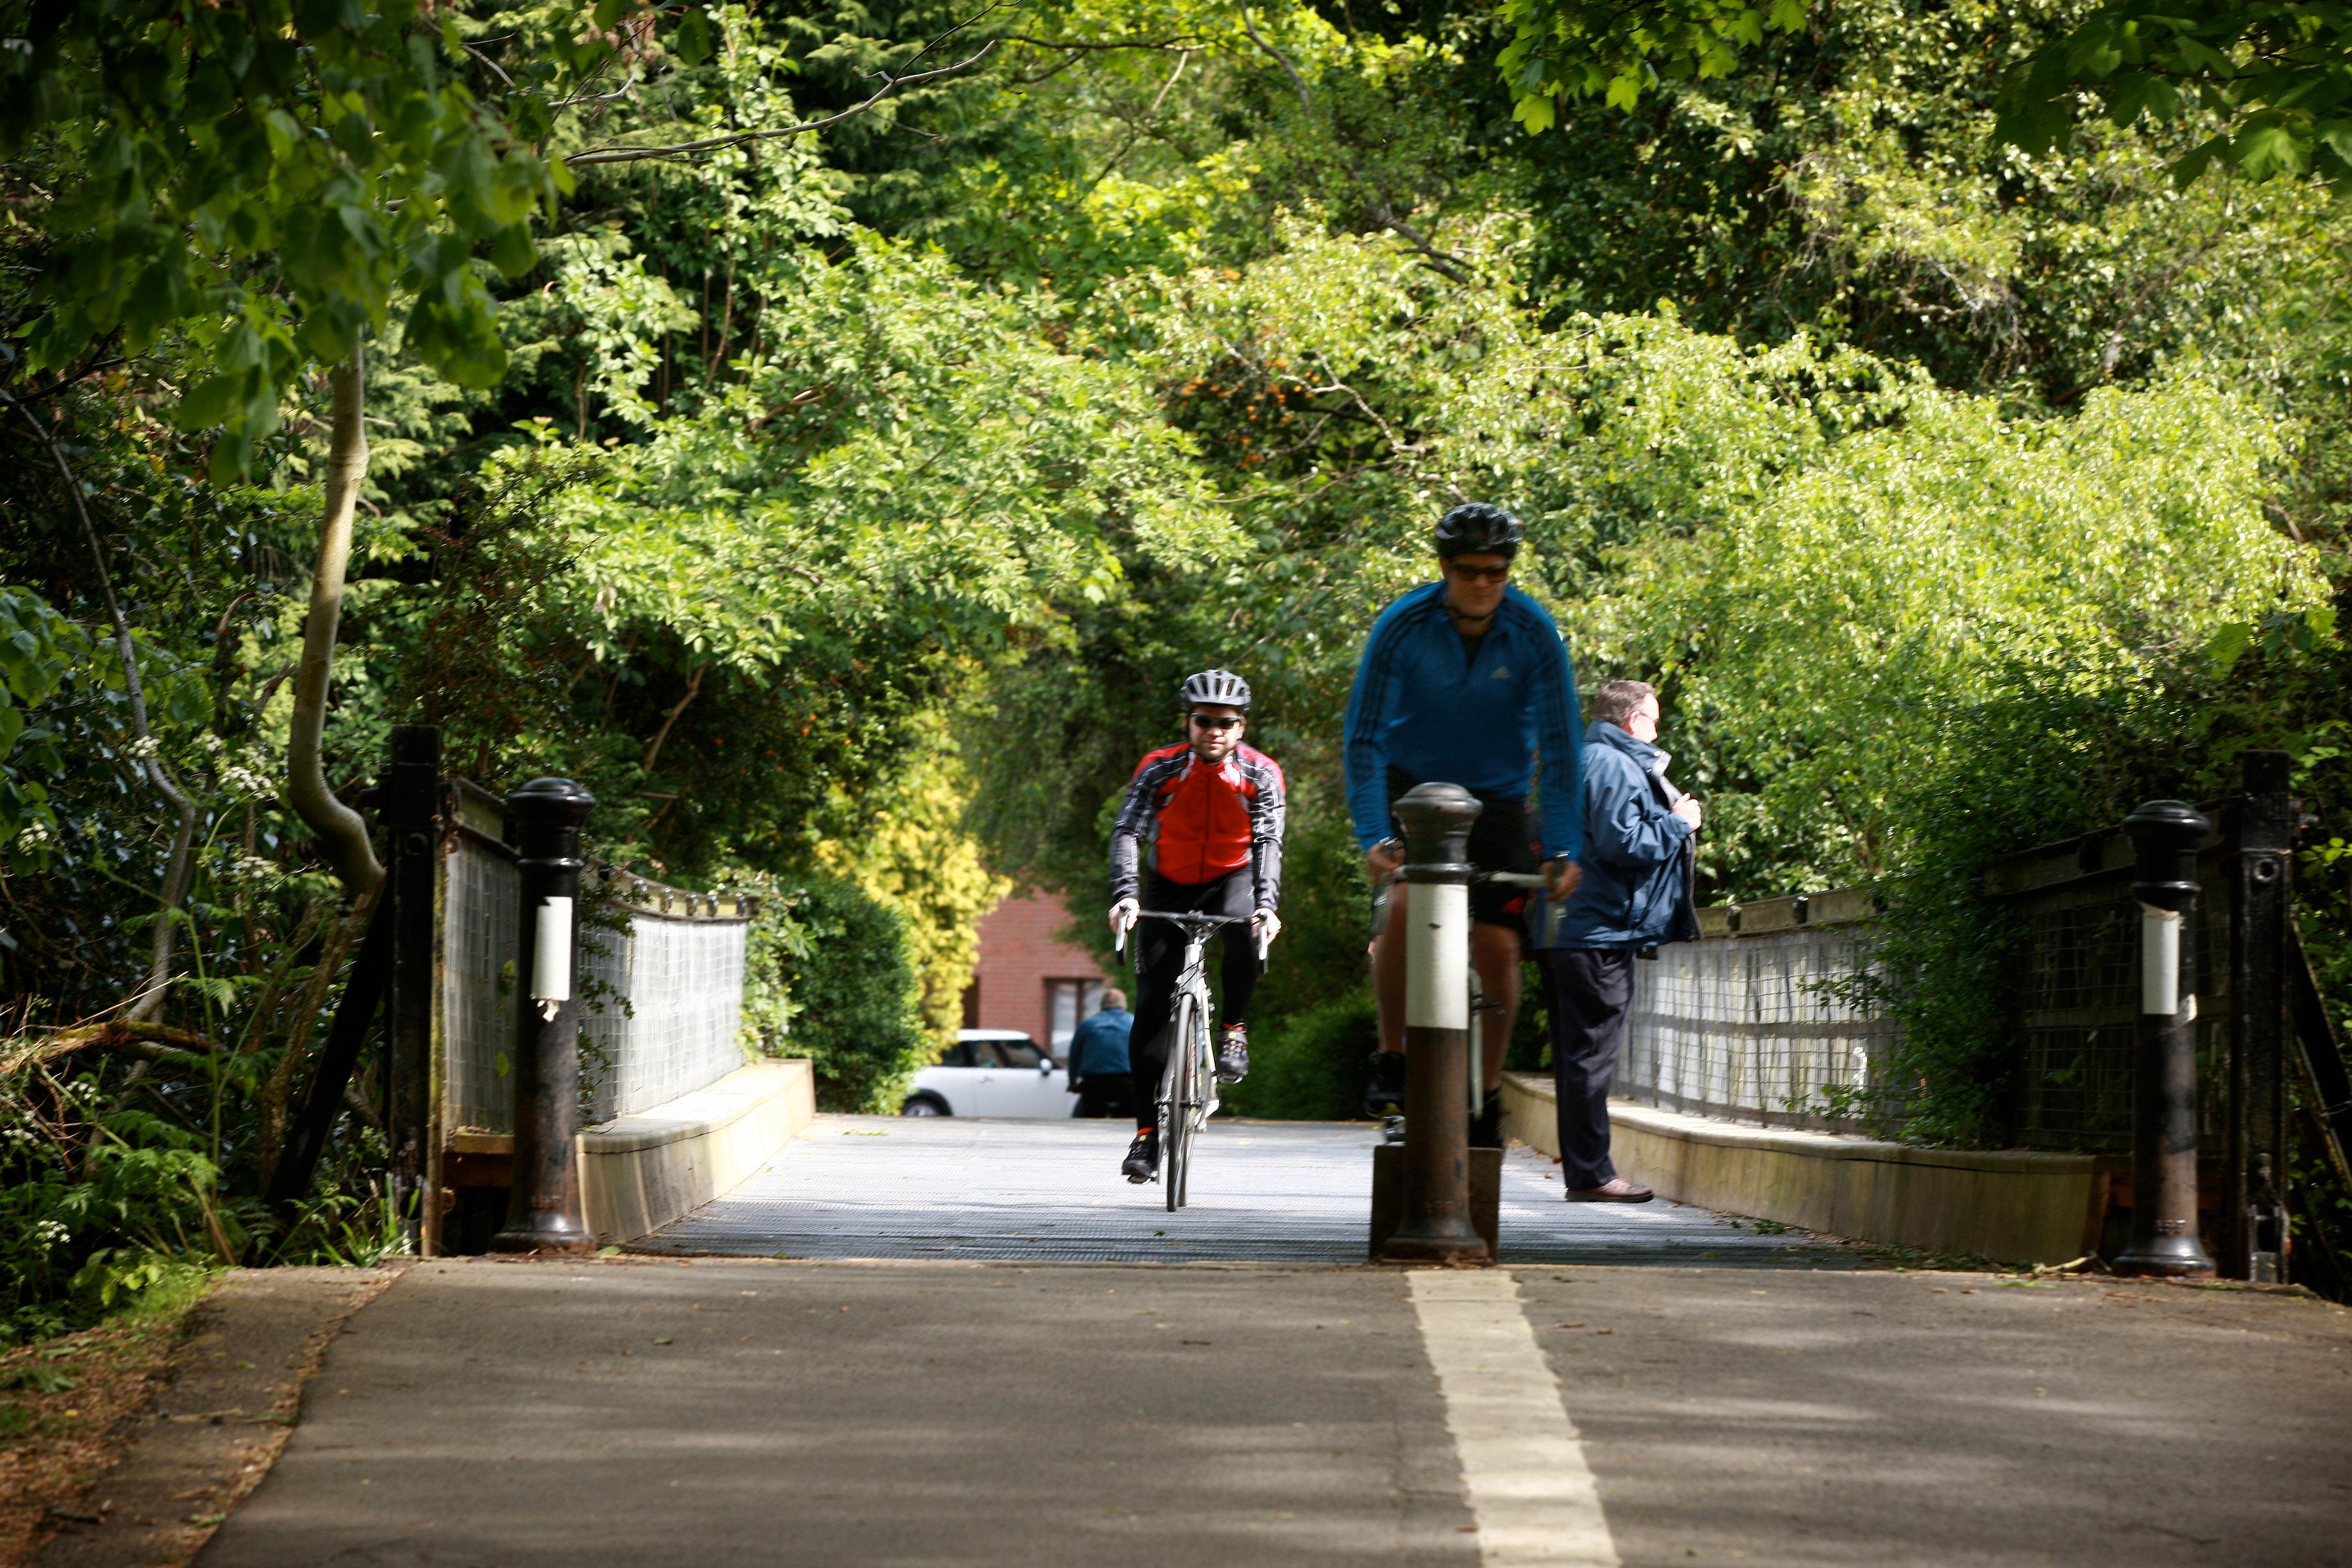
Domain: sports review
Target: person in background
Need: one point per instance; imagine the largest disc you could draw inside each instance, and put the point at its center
(1635, 897)
(1098, 1060)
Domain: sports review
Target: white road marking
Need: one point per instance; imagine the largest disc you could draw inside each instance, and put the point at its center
(1531, 1492)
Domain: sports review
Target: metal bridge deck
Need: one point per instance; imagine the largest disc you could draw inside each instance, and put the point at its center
(961, 1187)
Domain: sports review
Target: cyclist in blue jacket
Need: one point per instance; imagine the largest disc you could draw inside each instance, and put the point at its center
(1465, 681)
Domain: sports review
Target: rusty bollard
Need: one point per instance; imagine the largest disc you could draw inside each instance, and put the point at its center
(1436, 1226)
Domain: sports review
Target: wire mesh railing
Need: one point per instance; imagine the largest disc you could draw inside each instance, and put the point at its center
(662, 972)
(1754, 1022)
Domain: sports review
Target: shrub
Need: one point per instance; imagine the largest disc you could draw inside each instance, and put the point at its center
(853, 996)
(1310, 1066)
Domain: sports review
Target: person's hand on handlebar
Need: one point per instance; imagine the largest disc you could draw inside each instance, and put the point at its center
(1265, 925)
(1122, 917)
(1384, 860)
(1562, 876)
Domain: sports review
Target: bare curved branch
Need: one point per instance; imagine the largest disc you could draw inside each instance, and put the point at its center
(1249, 26)
(1180, 41)
(890, 84)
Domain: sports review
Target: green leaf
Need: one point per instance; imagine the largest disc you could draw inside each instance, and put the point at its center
(693, 41)
(513, 251)
(2229, 644)
(209, 402)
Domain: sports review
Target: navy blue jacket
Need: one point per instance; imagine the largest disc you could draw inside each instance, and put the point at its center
(1423, 706)
(1636, 891)
(1098, 1048)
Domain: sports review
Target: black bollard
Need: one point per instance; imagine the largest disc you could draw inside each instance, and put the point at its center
(1436, 1226)
(2165, 834)
(544, 1214)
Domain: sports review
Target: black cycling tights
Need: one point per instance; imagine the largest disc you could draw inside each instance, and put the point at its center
(1160, 953)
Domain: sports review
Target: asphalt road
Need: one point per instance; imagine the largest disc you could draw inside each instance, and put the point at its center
(647, 1411)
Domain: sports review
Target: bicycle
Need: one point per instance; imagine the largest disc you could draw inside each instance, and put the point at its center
(1392, 1127)
(1188, 1085)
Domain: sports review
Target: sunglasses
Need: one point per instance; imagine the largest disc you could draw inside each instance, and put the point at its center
(1202, 722)
(1479, 573)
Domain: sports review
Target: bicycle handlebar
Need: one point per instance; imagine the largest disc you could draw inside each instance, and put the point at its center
(1199, 924)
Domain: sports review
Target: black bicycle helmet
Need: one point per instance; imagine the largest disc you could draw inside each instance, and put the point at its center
(1217, 688)
(1479, 529)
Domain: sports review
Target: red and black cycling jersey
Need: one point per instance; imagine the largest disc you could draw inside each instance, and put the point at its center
(1202, 820)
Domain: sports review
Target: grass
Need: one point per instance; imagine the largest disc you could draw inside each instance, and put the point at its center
(65, 1405)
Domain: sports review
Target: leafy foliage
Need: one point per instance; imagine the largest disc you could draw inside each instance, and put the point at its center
(2278, 72)
(1576, 49)
(847, 505)
(337, 147)
(854, 988)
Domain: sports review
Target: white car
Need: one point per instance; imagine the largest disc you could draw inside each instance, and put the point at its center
(991, 1072)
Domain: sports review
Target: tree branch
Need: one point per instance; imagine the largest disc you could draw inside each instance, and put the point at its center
(890, 84)
(341, 831)
(1182, 40)
(693, 687)
(1136, 129)
(1438, 260)
(180, 866)
(1305, 100)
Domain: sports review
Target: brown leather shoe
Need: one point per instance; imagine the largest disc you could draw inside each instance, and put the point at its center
(1615, 1190)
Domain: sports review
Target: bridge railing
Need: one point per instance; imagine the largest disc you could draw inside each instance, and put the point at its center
(662, 972)
(1751, 1023)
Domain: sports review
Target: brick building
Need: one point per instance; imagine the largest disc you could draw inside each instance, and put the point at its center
(1028, 978)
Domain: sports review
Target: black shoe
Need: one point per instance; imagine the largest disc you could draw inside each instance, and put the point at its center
(1385, 1096)
(1142, 1162)
(1233, 1054)
(1487, 1127)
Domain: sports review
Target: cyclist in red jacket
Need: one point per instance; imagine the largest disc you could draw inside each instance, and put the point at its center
(1209, 810)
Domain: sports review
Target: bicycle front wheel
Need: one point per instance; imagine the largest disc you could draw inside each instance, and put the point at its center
(1184, 1089)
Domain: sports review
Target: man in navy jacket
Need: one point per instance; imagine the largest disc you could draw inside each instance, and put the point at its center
(1635, 896)
(1098, 1070)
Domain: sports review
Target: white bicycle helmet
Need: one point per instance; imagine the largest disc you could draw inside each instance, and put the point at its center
(1217, 688)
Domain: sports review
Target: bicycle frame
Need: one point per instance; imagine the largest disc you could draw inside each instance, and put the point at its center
(1393, 1129)
(1188, 1084)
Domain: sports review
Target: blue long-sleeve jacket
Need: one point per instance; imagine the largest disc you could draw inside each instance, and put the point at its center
(1636, 891)
(1422, 705)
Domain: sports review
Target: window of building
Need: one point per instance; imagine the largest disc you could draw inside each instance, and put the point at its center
(1067, 1002)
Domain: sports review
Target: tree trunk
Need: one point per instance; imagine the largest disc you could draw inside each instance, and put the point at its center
(341, 831)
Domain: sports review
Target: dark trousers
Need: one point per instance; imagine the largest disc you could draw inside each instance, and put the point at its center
(1160, 954)
(1587, 994)
(1102, 1096)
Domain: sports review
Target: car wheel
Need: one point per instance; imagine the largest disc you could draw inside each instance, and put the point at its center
(924, 1105)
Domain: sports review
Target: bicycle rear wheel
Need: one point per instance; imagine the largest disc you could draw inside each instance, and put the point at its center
(1477, 1041)
(1176, 1132)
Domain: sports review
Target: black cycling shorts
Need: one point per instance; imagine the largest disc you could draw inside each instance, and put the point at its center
(1503, 838)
